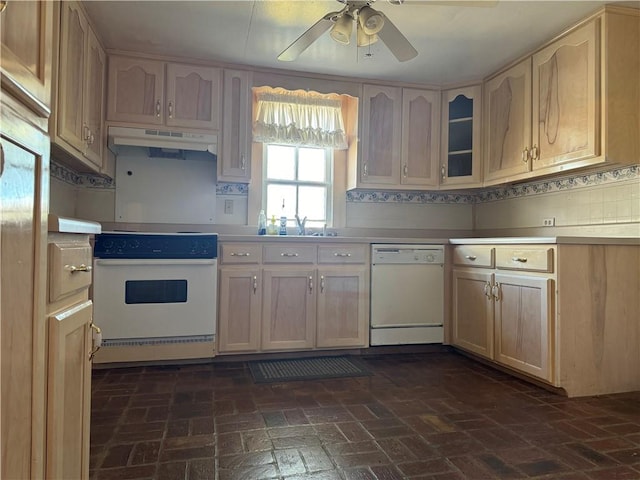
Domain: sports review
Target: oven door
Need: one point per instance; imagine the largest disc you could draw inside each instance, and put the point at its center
(155, 298)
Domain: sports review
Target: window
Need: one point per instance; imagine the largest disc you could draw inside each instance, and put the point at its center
(301, 177)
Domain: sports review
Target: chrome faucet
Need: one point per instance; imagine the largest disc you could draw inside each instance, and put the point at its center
(301, 225)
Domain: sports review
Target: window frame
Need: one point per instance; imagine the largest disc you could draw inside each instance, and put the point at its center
(328, 183)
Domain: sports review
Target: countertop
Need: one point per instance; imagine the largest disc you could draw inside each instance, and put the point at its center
(72, 225)
(560, 240)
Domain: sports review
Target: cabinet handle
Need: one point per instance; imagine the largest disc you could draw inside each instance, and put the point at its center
(321, 283)
(495, 291)
(487, 290)
(443, 172)
(158, 108)
(1, 159)
(255, 284)
(92, 138)
(519, 259)
(365, 170)
(310, 284)
(240, 254)
(535, 154)
(81, 268)
(96, 340)
(170, 109)
(285, 254)
(87, 133)
(525, 155)
(3, 5)
(340, 254)
(470, 257)
(405, 170)
(243, 162)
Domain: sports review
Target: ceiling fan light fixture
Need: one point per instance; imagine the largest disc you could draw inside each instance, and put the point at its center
(365, 40)
(341, 30)
(370, 20)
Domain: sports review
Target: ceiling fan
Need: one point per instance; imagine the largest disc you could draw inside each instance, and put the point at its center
(371, 26)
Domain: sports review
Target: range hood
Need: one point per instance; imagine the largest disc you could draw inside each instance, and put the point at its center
(161, 139)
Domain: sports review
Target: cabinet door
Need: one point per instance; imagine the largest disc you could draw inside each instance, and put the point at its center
(565, 126)
(193, 97)
(382, 116)
(343, 314)
(420, 137)
(288, 309)
(69, 392)
(508, 122)
(239, 312)
(523, 323)
(473, 311)
(460, 144)
(74, 31)
(25, 59)
(94, 100)
(136, 91)
(24, 201)
(234, 165)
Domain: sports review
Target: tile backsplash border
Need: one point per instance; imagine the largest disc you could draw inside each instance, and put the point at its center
(86, 180)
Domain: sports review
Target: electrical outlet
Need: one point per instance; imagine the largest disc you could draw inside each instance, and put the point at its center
(549, 222)
(228, 207)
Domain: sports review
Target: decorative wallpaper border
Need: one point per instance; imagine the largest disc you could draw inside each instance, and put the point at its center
(232, 189)
(67, 175)
(632, 172)
(409, 197)
(560, 184)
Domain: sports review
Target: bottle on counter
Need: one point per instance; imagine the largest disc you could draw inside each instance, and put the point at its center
(272, 228)
(283, 221)
(262, 223)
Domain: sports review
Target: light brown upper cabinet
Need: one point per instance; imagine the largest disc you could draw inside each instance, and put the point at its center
(77, 126)
(25, 58)
(155, 93)
(420, 130)
(461, 110)
(234, 161)
(574, 103)
(399, 139)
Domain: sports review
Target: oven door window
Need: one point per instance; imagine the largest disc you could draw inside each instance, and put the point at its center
(155, 291)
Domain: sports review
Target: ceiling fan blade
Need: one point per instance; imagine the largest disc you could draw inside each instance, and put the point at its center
(307, 38)
(396, 41)
(451, 3)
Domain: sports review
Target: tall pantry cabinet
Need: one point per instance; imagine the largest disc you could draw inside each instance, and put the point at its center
(38, 361)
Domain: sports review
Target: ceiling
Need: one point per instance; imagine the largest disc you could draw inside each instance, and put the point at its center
(456, 42)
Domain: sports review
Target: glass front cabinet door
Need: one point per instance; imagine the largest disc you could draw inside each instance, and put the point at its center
(461, 137)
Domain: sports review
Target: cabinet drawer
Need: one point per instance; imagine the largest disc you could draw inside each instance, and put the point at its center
(290, 253)
(474, 256)
(525, 258)
(241, 253)
(338, 254)
(69, 269)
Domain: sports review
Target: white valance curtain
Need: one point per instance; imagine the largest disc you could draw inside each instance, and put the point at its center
(299, 118)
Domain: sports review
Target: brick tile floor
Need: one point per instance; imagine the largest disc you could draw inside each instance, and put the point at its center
(437, 416)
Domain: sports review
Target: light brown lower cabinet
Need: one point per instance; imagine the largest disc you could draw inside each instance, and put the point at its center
(70, 348)
(292, 297)
(564, 314)
(69, 392)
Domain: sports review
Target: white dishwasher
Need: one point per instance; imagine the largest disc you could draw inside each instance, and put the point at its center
(407, 294)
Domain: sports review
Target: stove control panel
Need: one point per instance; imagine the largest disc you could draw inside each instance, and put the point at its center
(156, 245)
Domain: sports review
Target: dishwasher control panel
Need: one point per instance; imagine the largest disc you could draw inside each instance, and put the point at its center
(407, 254)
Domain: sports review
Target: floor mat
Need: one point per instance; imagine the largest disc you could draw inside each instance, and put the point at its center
(315, 368)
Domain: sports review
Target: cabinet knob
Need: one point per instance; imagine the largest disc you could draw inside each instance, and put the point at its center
(255, 284)
(535, 154)
(525, 155)
(340, 254)
(286, 254)
(519, 259)
(321, 283)
(495, 291)
(405, 170)
(170, 109)
(240, 254)
(443, 172)
(243, 162)
(158, 108)
(310, 284)
(470, 257)
(487, 290)
(365, 170)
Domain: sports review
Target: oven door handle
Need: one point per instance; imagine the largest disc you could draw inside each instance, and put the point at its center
(132, 262)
